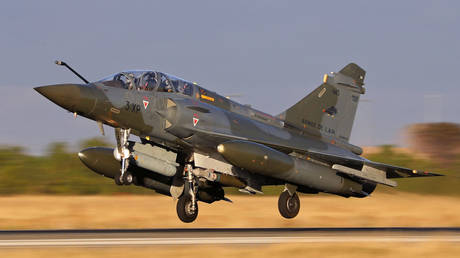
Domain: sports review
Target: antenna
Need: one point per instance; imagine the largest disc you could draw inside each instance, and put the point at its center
(72, 70)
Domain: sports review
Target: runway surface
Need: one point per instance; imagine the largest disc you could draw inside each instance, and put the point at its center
(197, 236)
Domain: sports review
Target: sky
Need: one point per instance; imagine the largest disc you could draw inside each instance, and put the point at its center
(273, 53)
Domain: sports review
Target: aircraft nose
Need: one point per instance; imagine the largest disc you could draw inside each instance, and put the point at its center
(64, 95)
(72, 97)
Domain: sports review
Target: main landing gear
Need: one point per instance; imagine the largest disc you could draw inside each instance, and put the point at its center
(187, 206)
(124, 177)
(289, 203)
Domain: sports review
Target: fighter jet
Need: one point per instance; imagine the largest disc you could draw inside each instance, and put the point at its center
(194, 142)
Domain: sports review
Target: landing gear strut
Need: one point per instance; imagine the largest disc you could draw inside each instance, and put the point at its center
(124, 177)
(187, 206)
(289, 203)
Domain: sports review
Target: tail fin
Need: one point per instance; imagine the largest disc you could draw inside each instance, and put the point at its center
(330, 109)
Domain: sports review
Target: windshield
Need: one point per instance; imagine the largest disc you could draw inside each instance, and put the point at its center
(148, 81)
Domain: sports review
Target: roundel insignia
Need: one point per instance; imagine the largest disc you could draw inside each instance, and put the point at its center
(195, 119)
(146, 102)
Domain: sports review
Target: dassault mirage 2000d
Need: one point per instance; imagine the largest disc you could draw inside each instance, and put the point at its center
(193, 142)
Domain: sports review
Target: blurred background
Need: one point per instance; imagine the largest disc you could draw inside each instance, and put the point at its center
(268, 53)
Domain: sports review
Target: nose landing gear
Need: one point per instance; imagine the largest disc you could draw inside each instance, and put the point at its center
(187, 206)
(124, 177)
(187, 211)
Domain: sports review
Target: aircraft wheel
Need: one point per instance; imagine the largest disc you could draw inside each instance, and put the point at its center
(184, 209)
(127, 178)
(288, 205)
(118, 179)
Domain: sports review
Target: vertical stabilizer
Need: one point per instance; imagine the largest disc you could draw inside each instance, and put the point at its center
(330, 109)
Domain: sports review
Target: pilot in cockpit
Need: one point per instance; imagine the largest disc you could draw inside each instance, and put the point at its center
(168, 87)
(130, 81)
(165, 85)
(148, 81)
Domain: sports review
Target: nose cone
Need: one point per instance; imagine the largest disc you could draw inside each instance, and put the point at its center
(64, 95)
(73, 97)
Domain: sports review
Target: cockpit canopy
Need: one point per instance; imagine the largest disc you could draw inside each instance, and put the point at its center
(148, 81)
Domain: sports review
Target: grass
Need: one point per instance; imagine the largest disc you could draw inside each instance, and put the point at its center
(135, 211)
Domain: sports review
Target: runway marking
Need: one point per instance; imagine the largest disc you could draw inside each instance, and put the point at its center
(220, 240)
(210, 236)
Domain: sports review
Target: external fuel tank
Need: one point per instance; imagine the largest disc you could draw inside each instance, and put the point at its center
(263, 160)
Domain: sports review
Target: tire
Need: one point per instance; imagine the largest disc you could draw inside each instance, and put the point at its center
(118, 180)
(288, 206)
(127, 178)
(183, 209)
